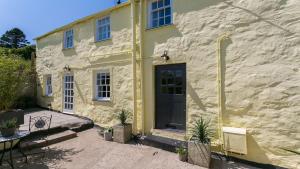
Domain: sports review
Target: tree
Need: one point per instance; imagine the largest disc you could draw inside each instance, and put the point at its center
(14, 38)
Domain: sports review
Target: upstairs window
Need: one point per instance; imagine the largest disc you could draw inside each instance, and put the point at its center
(68, 39)
(103, 86)
(160, 13)
(103, 29)
(48, 85)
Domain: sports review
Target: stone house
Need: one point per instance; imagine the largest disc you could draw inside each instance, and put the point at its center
(169, 62)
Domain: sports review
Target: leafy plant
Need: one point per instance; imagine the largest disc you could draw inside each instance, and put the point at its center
(15, 75)
(200, 131)
(181, 150)
(123, 116)
(12, 123)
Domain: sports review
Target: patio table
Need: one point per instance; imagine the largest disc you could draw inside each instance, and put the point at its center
(18, 136)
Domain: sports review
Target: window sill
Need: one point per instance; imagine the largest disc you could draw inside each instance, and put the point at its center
(160, 27)
(65, 49)
(104, 40)
(101, 100)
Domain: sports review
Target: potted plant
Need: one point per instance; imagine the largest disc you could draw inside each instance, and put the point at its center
(199, 150)
(182, 153)
(8, 128)
(122, 132)
(108, 134)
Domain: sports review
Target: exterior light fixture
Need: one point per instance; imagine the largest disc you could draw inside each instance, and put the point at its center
(165, 56)
(67, 68)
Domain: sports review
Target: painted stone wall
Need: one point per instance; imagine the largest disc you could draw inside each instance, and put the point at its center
(261, 68)
(85, 59)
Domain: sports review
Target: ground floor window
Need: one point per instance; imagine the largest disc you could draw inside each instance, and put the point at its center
(48, 87)
(103, 91)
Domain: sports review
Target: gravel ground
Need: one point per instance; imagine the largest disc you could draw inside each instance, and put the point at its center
(90, 151)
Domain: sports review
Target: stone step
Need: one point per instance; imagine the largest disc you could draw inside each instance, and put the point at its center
(48, 140)
(164, 143)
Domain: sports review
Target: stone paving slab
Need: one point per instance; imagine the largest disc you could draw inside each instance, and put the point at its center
(58, 119)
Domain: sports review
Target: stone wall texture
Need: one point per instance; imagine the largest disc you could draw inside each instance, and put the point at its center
(260, 69)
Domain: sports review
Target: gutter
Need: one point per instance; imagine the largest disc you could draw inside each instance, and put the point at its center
(133, 24)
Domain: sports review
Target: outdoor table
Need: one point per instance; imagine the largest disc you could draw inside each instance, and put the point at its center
(18, 136)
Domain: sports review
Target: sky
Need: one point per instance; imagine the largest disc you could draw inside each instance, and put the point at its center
(37, 17)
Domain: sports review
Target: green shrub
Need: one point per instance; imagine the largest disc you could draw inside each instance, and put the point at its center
(15, 74)
(200, 131)
(12, 123)
(181, 150)
(123, 116)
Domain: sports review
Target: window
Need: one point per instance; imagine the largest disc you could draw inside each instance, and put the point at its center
(103, 86)
(160, 13)
(48, 85)
(103, 29)
(68, 39)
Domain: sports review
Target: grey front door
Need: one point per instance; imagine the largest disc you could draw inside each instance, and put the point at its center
(170, 96)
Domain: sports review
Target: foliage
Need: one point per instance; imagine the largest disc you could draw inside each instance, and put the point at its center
(181, 150)
(24, 102)
(15, 74)
(123, 116)
(109, 130)
(201, 132)
(14, 38)
(12, 123)
(24, 52)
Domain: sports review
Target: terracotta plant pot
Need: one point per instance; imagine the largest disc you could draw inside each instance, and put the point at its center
(199, 153)
(8, 132)
(107, 136)
(122, 133)
(183, 157)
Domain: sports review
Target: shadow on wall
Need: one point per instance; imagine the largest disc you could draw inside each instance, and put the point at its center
(195, 97)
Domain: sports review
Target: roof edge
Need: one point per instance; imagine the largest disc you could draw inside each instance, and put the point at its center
(82, 20)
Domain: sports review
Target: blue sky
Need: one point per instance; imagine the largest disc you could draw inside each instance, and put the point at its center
(36, 17)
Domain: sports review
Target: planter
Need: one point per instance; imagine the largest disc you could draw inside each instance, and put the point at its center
(199, 153)
(122, 134)
(183, 157)
(8, 132)
(107, 136)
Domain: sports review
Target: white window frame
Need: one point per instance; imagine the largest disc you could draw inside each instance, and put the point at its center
(150, 11)
(98, 85)
(48, 85)
(69, 35)
(104, 24)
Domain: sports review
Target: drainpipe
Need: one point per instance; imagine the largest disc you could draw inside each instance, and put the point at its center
(220, 77)
(141, 14)
(133, 25)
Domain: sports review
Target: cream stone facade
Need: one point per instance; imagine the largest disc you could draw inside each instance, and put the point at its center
(242, 61)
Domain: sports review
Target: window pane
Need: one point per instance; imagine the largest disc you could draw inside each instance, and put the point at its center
(107, 81)
(168, 20)
(167, 11)
(164, 90)
(160, 3)
(167, 2)
(108, 94)
(178, 90)
(108, 88)
(154, 23)
(155, 15)
(161, 13)
(161, 21)
(154, 5)
(170, 90)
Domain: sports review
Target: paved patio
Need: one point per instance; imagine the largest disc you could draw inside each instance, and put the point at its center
(90, 151)
(59, 120)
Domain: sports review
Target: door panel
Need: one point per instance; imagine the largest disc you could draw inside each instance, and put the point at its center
(170, 96)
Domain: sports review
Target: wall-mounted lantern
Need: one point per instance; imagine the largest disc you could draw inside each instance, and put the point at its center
(67, 68)
(165, 56)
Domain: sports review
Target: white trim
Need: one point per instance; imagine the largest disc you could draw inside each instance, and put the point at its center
(108, 31)
(72, 97)
(66, 40)
(149, 13)
(96, 90)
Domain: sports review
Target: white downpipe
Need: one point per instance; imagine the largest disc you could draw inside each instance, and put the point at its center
(133, 25)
